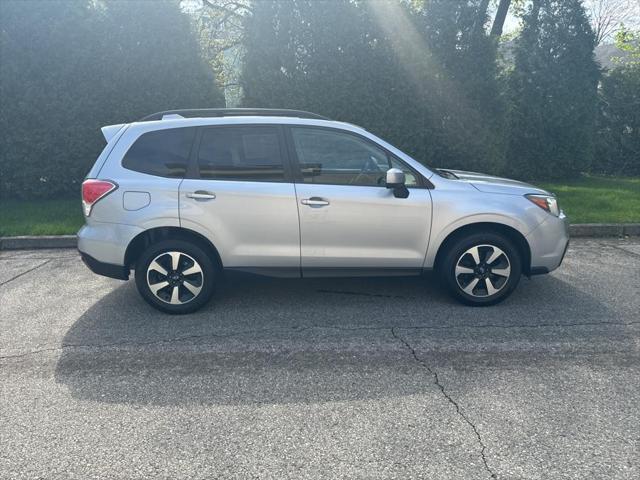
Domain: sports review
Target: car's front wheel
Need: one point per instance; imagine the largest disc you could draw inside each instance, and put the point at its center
(175, 276)
(482, 268)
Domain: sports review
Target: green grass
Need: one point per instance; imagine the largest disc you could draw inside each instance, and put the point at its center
(596, 199)
(590, 199)
(40, 217)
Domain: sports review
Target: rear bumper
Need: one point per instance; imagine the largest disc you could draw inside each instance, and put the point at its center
(549, 243)
(105, 269)
(102, 247)
(106, 242)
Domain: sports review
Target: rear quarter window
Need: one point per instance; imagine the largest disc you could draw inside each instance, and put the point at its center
(164, 153)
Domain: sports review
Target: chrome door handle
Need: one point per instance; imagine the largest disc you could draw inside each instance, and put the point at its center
(201, 195)
(315, 202)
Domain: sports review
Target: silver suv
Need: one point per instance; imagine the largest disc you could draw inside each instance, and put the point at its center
(181, 196)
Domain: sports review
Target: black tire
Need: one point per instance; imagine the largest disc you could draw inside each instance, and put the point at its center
(190, 254)
(457, 255)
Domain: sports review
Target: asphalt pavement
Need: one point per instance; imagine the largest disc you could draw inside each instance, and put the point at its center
(322, 378)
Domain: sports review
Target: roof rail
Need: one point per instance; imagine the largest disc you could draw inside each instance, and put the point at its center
(233, 112)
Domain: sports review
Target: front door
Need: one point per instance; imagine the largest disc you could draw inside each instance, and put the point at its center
(240, 195)
(349, 220)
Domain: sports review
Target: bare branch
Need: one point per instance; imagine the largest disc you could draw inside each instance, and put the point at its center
(227, 8)
(608, 15)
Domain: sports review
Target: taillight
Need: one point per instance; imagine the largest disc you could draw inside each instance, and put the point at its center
(93, 190)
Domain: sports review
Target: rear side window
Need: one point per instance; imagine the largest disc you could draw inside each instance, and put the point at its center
(241, 153)
(164, 153)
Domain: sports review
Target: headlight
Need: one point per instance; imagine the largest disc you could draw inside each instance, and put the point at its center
(545, 202)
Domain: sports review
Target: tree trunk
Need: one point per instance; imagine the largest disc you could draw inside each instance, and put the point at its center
(481, 17)
(501, 16)
(535, 11)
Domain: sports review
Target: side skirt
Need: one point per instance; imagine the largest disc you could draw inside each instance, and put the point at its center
(331, 272)
(360, 272)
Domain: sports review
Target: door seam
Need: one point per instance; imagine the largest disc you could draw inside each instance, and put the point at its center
(180, 202)
(295, 191)
(426, 252)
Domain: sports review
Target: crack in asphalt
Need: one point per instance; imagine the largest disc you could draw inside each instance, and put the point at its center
(448, 397)
(25, 272)
(621, 249)
(19, 258)
(298, 328)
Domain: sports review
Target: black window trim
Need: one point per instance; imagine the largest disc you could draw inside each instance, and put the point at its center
(193, 171)
(290, 162)
(188, 158)
(423, 182)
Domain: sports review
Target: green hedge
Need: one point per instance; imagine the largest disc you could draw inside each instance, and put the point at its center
(426, 76)
(618, 139)
(423, 75)
(69, 68)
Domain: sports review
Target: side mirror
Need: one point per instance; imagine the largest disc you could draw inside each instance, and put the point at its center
(396, 182)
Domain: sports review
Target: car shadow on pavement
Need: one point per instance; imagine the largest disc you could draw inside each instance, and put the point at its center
(267, 341)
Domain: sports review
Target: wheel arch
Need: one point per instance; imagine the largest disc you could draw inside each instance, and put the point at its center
(144, 239)
(511, 233)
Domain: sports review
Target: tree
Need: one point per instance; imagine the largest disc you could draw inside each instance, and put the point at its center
(219, 24)
(424, 78)
(466, 110)
(501, 16)
(270, 67)
(329, 57)
(69, 68)
(552, 92)
(607, 16)
(629, 41)
(618, 140)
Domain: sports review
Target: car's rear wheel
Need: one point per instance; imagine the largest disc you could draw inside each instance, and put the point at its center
(482, 268)
(175, 276)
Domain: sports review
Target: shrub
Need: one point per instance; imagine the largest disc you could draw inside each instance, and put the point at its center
(69, 68)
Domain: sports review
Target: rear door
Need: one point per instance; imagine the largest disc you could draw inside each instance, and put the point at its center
(239, 193)
(349, 220)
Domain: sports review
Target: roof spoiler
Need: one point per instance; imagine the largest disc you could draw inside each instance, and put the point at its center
(109, 131)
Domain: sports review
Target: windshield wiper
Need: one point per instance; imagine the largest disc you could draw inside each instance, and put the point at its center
(447, 174)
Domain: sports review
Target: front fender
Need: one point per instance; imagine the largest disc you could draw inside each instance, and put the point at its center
(453, 210)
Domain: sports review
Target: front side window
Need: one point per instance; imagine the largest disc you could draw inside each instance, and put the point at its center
(241, 153)
(336, 158)
(163, 153)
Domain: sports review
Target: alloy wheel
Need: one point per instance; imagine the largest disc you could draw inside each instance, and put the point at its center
(482, 270)
(175, 278)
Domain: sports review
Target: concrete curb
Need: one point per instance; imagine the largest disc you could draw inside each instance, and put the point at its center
(605, 230)
(593, 230)
(28, 242)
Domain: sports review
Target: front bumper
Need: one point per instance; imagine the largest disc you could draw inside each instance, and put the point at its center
(549, 243)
